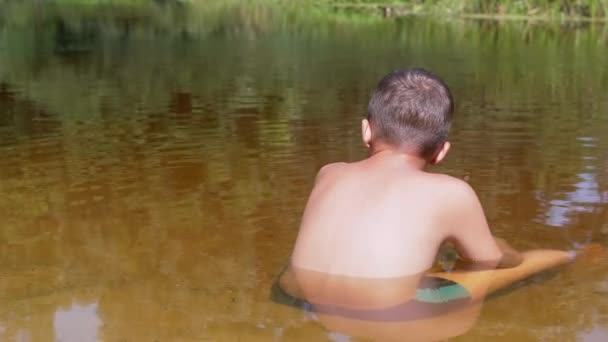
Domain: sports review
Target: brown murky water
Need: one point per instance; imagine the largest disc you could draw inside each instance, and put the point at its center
(151, 184)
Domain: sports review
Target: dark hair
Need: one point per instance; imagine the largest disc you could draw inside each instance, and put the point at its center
(411, 107)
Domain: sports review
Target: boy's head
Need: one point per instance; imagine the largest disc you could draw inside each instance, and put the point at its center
(411, 109)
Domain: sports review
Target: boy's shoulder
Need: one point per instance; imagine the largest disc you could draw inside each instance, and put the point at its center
(329, 170)
(451, 185)
(455, 195)
(445, 185)
(447, 180)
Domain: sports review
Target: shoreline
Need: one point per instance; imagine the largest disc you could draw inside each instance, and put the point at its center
(396, 11)
(324, 8)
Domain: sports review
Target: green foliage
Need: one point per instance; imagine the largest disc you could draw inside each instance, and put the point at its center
(554, 8)
(548, 9)
(536, 8)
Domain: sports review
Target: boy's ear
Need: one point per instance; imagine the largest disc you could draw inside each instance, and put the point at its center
(366, 133)
(443, 151)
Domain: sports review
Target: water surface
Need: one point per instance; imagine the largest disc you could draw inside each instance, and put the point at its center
(153, 170)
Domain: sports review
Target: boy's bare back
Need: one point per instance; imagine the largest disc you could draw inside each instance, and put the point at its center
(381, 218)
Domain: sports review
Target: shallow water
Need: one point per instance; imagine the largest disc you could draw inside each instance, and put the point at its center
(152, 177)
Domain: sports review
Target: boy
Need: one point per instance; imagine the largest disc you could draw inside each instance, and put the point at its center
(385, 217)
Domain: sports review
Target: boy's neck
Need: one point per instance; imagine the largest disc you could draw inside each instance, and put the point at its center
(408, 157)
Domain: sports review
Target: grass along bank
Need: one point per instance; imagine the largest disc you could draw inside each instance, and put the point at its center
(582, 10)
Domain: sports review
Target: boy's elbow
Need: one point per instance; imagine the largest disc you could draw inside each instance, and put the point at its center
(510, 260)
(510, 257)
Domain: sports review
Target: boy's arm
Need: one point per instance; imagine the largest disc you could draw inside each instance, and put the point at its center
(510, 256)
(470, 233)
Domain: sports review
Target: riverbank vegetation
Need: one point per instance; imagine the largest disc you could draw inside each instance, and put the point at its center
(497, 9)
(585, 10)
(560, 10)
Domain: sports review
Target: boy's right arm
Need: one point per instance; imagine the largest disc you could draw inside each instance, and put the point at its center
(510, 256)
(469, 231)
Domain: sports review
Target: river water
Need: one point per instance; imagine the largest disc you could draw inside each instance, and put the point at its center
(154, 167)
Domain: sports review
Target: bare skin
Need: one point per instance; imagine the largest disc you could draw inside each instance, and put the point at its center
(385, 217)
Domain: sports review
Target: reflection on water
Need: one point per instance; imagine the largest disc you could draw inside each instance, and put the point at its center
(160, 174)
(587, 195)
(78, 323)
(385, 309)
(434, 328)
(597, 334)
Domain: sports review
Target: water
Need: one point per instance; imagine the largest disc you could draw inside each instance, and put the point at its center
(154, 169)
